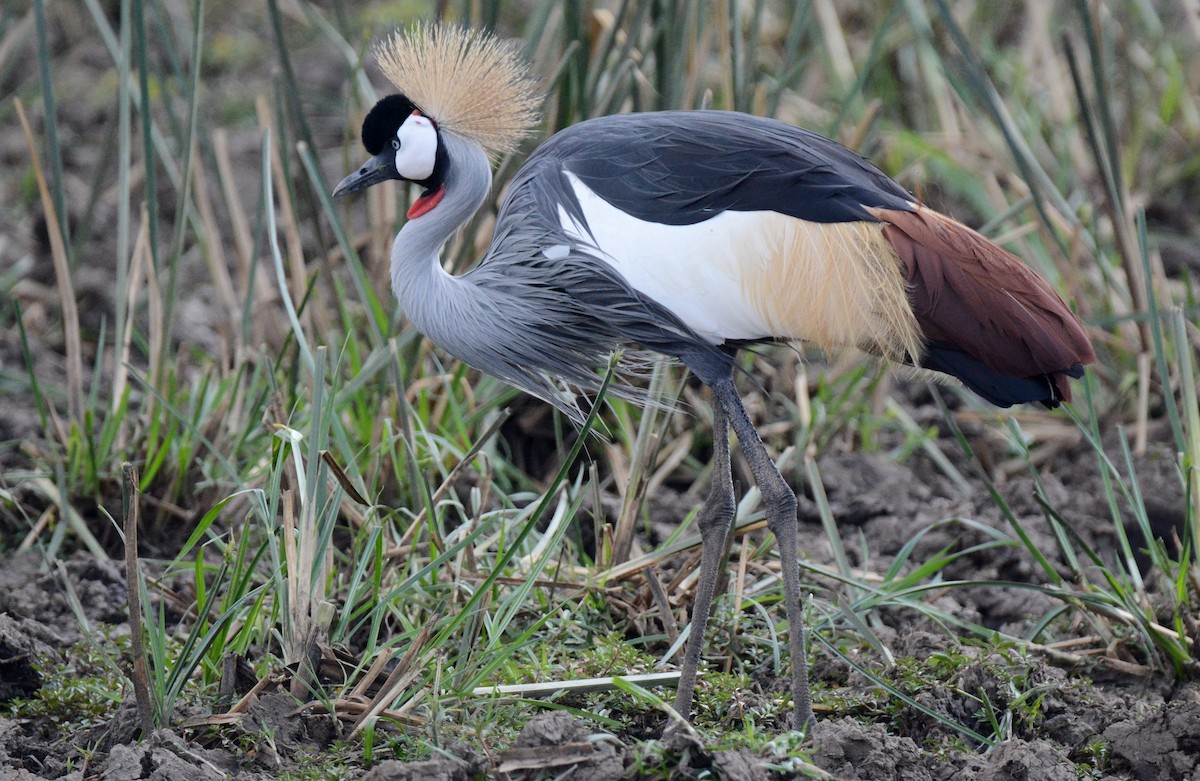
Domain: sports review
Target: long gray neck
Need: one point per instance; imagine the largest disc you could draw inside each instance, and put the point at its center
(423, 288)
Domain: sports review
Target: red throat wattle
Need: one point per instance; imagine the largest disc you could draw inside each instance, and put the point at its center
(425, 203)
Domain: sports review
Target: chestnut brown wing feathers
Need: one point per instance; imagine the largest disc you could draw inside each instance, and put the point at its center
(971, 296)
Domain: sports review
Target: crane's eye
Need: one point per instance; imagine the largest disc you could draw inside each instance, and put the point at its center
(396, 144)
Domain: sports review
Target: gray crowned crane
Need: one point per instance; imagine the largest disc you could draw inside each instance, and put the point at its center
(690, 234)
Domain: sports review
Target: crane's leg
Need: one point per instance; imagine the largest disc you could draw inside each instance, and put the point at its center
(714, 522)
(779, 502)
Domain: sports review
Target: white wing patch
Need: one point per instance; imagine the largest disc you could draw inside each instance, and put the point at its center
(758, 275)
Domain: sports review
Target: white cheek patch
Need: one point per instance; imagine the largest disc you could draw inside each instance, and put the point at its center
(418, 148)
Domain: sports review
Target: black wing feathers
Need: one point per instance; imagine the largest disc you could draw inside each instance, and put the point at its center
(680, 168)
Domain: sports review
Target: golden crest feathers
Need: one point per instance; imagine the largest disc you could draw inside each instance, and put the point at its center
(470, 82)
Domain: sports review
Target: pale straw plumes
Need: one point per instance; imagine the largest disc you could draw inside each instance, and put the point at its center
(471, 83)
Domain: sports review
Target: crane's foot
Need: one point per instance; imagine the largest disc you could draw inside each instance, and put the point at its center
(679, 736)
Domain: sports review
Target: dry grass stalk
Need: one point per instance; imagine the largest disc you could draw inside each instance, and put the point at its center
(133, 593)
(62, 273)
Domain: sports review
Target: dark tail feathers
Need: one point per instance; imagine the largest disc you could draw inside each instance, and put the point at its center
(1003, 390)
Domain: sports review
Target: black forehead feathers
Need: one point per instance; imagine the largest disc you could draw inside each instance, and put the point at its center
(383, 120)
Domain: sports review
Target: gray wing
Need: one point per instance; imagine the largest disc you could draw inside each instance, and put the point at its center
(684, 167)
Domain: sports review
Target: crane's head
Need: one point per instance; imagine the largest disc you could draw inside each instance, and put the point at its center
(451, 80)
(403, 143)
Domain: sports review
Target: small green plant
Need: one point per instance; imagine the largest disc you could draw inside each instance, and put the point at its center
(335, 764)
(1094, 759)
(83, 689)
(993, 689)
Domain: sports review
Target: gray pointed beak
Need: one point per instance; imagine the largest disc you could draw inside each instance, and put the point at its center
(378, 169)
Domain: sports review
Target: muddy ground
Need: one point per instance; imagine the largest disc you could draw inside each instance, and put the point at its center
(1095, 720)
